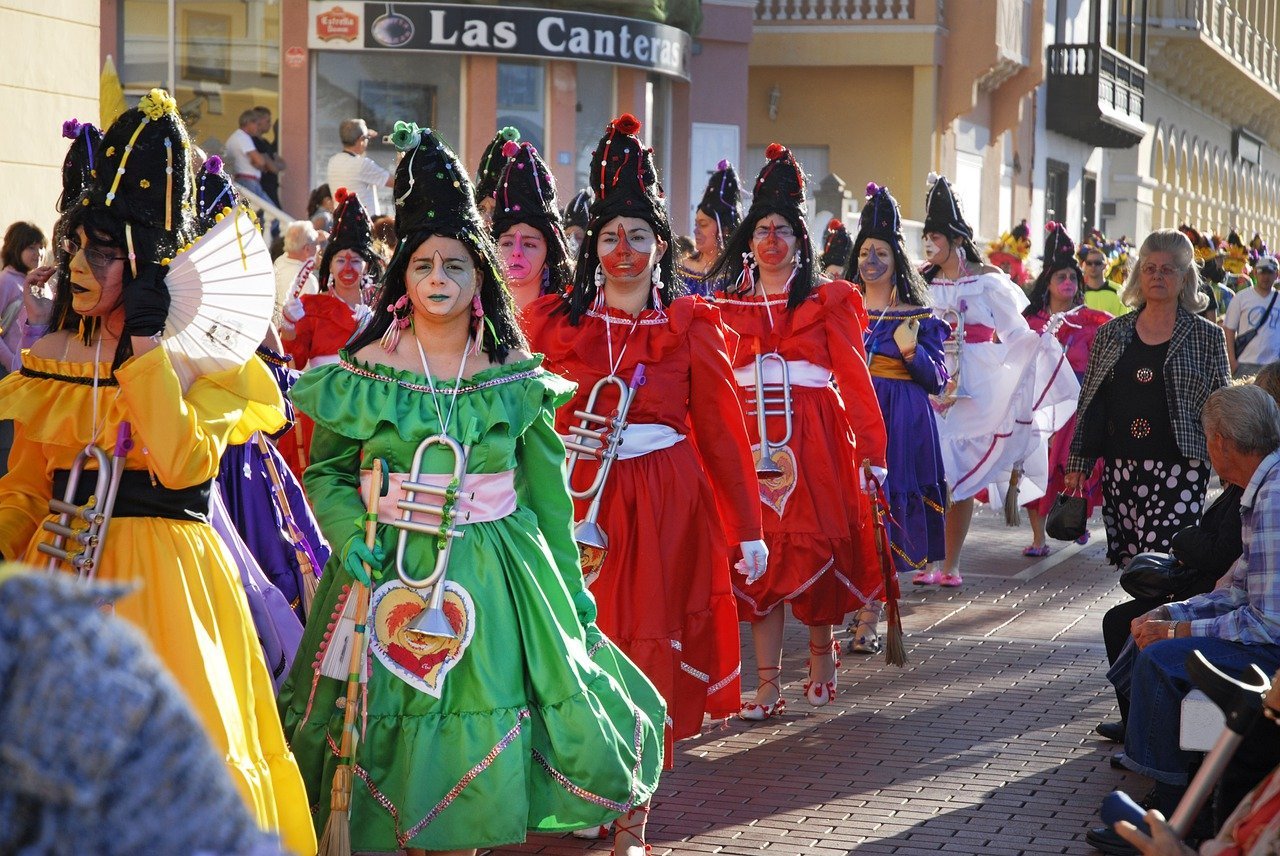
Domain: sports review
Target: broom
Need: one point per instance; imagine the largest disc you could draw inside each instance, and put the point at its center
(895, 652)
(336, 840)
(1011, 517)
(306, 568)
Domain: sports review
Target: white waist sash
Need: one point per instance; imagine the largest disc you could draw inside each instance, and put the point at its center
(641, 438)
(800, 373)
(322, 360)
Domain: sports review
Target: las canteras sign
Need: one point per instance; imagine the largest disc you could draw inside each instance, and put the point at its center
(541, 33)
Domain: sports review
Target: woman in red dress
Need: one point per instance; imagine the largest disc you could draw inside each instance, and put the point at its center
(1057, 307)
(316, 326)
(817, 519)
(682, 491)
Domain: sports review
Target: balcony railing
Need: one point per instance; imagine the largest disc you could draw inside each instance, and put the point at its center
(1095, 94)
(825, 11)
(1227, 25)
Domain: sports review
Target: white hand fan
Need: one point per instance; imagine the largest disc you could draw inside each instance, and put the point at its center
(222, 293)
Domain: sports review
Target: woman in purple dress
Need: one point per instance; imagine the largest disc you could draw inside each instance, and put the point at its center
(904, 352)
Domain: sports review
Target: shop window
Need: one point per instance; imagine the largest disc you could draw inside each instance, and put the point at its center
(522, 100)
(594, 108)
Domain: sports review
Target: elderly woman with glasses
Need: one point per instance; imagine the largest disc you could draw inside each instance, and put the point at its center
(1149, 375)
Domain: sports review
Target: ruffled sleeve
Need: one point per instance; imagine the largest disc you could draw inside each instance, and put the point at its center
(928, 367)
(541, 487)
(716, 416)
(332, 482)
(1005, 301)
(845, 319)
(24, 493)
(184, 437)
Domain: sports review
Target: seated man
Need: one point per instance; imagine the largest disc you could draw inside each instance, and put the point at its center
(1236, 624)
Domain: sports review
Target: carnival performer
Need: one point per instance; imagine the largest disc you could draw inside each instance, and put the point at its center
(837, 248)
(530, 719)
(490, 171)
(102, 365)
(316, 326)
(1010, 253)
(526, 226)
(986, 421)
(717, 215)
(817, 522)
(904, 345)
(1057, 308)
(682, 490)
(574, 217)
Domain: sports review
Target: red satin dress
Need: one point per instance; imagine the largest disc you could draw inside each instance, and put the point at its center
(328, 325)
(817, 521)
(671, 515)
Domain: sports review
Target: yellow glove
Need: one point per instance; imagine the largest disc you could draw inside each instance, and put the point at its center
(905, 335)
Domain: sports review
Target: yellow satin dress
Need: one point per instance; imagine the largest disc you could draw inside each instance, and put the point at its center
(189, 600)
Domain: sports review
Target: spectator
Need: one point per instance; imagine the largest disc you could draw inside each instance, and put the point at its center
(1235, 624)
(102, 753)
(1254, 315)
(320, 207)
(21, 252)
(244, 161)
(1149, 375)
(301, 242)
(353, 169)
(1098, 292)
(384, 237)
(269, 149)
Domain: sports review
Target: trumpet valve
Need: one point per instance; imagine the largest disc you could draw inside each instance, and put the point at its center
(588, 416)
(436, 490)
(428, 508)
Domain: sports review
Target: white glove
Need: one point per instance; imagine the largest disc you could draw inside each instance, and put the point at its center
(879, 472)
(754, 561)
(292, 311)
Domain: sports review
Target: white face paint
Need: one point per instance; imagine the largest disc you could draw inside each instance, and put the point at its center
(936, 247)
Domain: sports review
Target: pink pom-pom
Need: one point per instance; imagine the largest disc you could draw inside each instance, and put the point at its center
(71, 128)
(509, 148)
(1050, 226)
(872, 188)
(723, 165)
(213, 164)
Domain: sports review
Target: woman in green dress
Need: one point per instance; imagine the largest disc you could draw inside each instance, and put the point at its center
(530, 719)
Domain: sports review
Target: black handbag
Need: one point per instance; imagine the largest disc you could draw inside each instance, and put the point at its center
(1068, 518)
(1243, 340)
(1156, 576)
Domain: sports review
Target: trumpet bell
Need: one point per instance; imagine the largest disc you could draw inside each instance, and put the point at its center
(589, 534)
(433, 623)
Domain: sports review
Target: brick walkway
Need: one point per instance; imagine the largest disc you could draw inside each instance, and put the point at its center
(983, 744)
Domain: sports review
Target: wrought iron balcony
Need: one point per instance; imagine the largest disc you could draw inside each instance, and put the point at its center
(1096, 95)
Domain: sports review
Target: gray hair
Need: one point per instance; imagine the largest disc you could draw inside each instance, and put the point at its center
(298, 234)
(1246, 416)
(1176, 244)
(352, 131)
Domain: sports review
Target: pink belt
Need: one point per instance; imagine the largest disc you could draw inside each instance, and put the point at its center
(977, 334)
(482, 498)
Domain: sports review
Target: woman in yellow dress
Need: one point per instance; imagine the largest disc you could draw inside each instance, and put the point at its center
(101, 366)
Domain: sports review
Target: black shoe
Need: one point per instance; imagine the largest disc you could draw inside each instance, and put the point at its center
(1113, 731)
(1107, 840)
(1116, 763)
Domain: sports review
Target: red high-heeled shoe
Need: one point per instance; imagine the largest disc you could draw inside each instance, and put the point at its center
(822, 694)
(753, 712)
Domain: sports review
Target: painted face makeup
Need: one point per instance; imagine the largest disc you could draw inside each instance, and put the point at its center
(1064, 284)
(875, 260)
(936, 247)
(441, 278)
(624, 255)
(773, 241)
(523, 250)
(96, 276)
(347, 268)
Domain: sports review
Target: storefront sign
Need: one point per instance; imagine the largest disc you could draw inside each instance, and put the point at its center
(541, 33)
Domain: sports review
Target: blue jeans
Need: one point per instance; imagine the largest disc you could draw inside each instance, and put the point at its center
(1158, 684)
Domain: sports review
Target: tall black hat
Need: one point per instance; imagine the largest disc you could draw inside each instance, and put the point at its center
(215, 193)
(780, 186)
(79, 165)
(1059, 249)
(837, 246)
(942, 210)
(526, 191)
(492, 161)
(623, 175)
(143, 177)
(722, 200)
(352, 230)
(578, 211)
(880, 217)
(432, 189)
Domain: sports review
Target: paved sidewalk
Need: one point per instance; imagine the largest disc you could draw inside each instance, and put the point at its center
(983, 744)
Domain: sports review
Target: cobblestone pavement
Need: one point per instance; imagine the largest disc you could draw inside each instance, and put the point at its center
(983, 744)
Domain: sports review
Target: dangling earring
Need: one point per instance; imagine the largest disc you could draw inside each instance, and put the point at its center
(655, 276)
(401, 318)
(599, 277)
(598, 303)
(746, 282)
(477, 313)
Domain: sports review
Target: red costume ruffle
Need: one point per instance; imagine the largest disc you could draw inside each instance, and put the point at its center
(817, 522)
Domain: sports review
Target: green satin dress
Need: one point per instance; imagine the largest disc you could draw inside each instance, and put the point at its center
(534, 721)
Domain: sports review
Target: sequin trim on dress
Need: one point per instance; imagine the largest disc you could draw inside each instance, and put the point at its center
(584, 794)
(361, 371)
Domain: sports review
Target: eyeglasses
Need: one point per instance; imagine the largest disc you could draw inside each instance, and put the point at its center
(1269, 270)
(1166, 271)
(1095, 264)
(785, 233)
(95, 257)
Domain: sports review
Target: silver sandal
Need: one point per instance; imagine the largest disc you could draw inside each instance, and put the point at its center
(866, 640)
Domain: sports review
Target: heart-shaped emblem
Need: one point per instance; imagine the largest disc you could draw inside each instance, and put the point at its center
(775, 491)
(420, 663)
